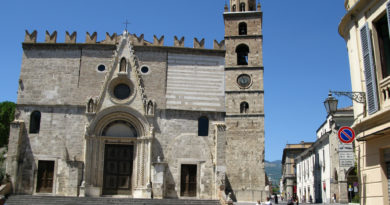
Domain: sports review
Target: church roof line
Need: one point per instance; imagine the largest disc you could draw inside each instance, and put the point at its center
(113, 39)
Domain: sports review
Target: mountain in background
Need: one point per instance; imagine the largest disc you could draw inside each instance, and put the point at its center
(274, 171)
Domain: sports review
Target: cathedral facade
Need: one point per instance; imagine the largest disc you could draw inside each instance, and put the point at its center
(130, 117)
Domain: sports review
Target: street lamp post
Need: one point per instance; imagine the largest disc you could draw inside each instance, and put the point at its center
(331, 102)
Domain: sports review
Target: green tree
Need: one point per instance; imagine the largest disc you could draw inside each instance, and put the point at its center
(275, 190)
(7, 114)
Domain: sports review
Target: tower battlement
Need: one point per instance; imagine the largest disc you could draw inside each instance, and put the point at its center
(113, 39)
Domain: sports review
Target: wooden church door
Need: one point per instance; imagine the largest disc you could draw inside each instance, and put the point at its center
(188, 180)
(45, 176)
(118, 168)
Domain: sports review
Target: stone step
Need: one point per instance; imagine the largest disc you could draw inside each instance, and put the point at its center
(59, 200)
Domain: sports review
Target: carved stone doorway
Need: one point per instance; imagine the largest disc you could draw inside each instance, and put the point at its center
(118, 169)
(188, 180)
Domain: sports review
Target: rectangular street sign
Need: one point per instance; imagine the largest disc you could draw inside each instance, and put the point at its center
(343, 147)
(347, 163)
(347, 158)
(346, 155)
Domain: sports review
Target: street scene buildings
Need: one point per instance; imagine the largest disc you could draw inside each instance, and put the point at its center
(152, 120)
(365, 28)
(289, 178)
(128, 117)
(326, 169)
(358, 171)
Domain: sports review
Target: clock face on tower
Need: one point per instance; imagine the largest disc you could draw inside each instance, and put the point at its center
(244, 80)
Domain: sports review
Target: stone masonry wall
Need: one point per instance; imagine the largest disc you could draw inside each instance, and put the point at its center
(155, 79)
(255, 102)
(61, 76)
(257, 77)
(255, 56)
(254, 25)
(60, 139)
(177, 142)
(245, 157)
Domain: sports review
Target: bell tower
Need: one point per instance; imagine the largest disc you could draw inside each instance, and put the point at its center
(244, 100)
(242, 5)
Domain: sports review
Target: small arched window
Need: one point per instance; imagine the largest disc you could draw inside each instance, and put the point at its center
(150, 108)
(122, 66)
(242, 28)
(203, 126)
(244, 107)
(35, 122)
(242, 7)
(234, 8)
(242, 54)
(90, 107)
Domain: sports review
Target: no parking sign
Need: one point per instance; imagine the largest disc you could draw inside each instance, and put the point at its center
(346, 134)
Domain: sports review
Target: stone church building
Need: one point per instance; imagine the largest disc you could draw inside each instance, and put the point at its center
(135, 118)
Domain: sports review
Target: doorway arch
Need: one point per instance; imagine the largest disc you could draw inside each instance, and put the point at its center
(122, 137)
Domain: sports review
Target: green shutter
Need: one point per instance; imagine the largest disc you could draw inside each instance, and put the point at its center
(369, 70)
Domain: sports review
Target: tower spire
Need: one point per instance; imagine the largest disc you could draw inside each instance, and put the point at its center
(258, 5)
(226, 8)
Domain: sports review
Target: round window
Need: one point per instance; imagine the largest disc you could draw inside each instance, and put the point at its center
(122, 91)
(101, 68)
(144, 69)
(244, 80)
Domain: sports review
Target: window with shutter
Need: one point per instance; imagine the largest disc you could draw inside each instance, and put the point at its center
(382, 30)
(369, 70)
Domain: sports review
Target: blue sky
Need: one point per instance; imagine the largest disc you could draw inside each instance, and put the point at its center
(304, 56)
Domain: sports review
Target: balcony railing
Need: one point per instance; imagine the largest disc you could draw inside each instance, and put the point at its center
(384, 89)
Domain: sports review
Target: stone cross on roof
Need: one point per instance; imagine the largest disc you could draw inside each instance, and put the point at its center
(126, 23)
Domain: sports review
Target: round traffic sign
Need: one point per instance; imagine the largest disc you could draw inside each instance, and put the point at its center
(346, 134)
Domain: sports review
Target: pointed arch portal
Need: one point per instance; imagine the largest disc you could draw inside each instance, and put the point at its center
(118, 154)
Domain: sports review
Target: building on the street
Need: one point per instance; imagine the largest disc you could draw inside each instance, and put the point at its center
(365, 28)
(268, 185)
(288, 180)
(281, 187)
(327, 167)
(127, 116)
